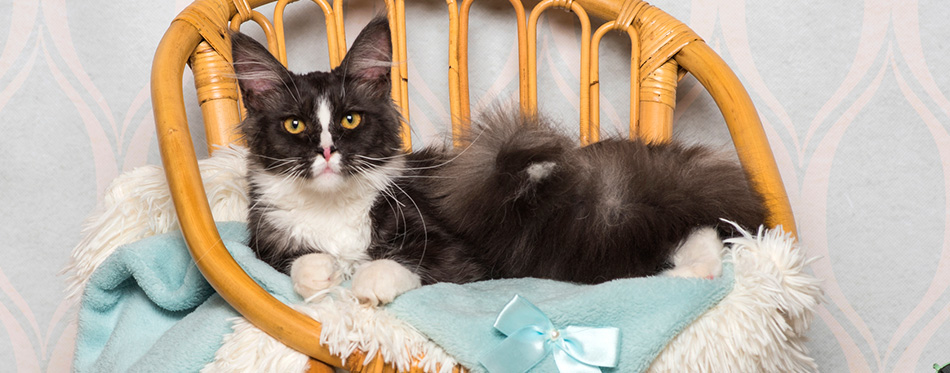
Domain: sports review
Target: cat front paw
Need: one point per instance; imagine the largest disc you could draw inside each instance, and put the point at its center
(313, 273)
(381, 281)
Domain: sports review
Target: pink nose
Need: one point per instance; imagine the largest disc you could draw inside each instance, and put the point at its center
(326, 152)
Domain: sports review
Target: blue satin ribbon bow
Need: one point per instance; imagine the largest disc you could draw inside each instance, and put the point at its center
(532, 336)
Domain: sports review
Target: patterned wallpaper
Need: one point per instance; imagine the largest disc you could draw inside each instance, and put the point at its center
(853, 96)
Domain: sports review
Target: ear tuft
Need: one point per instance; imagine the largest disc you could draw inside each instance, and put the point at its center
(259, 74)
(369, 60)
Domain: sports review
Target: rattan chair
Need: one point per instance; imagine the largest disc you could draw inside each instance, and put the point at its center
(663, 48)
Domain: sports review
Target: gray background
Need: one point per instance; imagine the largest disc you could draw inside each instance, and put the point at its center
(853, 96)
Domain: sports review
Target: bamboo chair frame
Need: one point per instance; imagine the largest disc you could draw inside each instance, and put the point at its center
(663, 49)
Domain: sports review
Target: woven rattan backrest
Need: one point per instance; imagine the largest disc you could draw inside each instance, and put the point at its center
(657, 88)
(663, 48)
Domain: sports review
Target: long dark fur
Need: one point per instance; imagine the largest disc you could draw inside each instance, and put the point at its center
(610, 210)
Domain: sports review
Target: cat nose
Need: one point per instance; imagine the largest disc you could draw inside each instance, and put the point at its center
(328, 151)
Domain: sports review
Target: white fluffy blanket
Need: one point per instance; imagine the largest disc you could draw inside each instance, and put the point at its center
(759, 326)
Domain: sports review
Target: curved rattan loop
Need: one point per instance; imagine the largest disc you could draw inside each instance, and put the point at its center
(207, 19)
(394, 72)
(401, 65)
(458, 63)
(279, 28)
(459, 126)
(563, 4)
(595, 78)
(330, 21)
(531, 106)
(266, 26)
(340, 30)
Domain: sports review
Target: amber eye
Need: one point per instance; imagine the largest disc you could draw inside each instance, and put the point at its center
(350, 120)
(294, 125)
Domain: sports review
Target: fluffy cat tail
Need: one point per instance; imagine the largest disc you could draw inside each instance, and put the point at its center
(525, 153)
(510, 159)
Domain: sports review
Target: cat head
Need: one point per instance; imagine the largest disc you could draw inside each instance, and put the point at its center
(326, 130)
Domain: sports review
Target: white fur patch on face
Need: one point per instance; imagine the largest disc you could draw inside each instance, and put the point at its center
(324, 116)
(327, 174)
(699, 256)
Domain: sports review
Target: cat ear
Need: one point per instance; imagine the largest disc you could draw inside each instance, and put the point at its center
(259, 74)
(369, 60)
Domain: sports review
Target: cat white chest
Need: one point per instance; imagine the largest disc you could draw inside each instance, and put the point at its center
(337, 223)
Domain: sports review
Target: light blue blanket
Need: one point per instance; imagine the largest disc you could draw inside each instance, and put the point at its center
(148, 309)
(648, 311)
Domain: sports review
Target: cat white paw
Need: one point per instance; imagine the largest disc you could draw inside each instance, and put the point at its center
(381, 281)
(700, 270)
(313, 273)
(699, 256)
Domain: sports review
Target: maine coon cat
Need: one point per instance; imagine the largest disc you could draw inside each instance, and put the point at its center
(332, 195)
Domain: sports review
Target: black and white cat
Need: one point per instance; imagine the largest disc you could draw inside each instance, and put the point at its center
(332, 193)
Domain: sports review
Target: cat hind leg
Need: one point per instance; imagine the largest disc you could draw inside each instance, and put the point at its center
(700, 255)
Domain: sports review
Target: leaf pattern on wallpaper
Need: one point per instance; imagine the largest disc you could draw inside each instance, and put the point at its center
(874, 59)
(812, 218)
(39, 47)
(941, 277)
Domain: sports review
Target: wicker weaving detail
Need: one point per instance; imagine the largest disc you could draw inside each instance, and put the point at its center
(660, 85)
(214, 77)
(210, 18)
(657, 101)
(565, 4)
(244, 11)
(628, 11)
(661, 37)
(218, 96)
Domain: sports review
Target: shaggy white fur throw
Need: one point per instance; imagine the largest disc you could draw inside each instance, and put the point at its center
(759, 326)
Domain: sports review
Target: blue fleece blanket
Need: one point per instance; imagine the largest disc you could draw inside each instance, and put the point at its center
(148, 309)
(648, 311)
